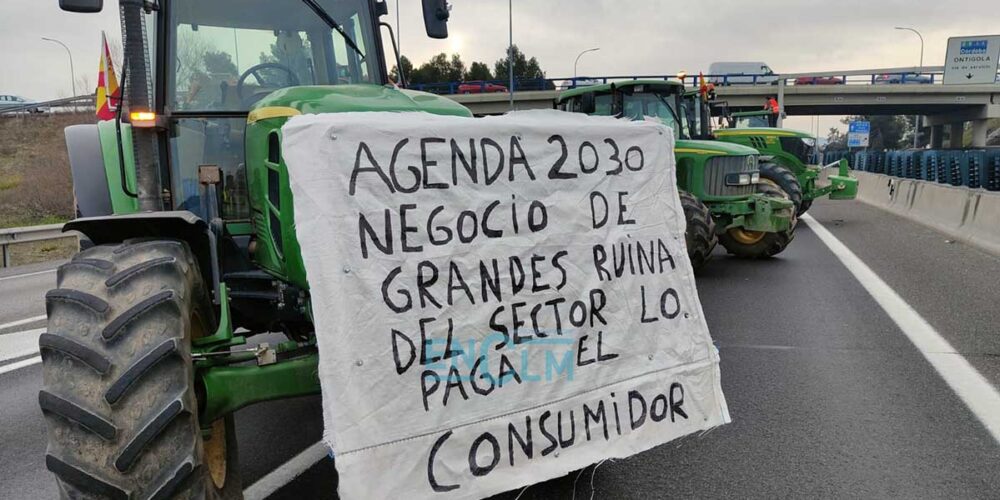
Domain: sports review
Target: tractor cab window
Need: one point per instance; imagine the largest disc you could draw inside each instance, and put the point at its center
(228, 54)
(753, 121)
(602, 105)
(639, 105)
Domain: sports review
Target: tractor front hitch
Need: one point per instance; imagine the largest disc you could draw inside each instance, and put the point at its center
(841, 186)
(756, 213)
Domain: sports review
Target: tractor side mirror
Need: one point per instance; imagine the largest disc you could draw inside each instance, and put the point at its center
(86, 6)
(436, 13)
(587, 104)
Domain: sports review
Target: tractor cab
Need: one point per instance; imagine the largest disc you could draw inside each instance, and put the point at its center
(222, 57)
(749, 119)
(639, 100)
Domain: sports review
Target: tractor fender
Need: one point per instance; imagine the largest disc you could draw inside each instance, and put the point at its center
(178, 224)
(86, 163)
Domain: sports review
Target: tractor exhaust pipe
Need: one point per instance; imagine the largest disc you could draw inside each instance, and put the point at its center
(144, 139)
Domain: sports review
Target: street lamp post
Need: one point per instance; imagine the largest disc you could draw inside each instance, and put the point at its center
(578, 60)
(72, 73)
(916, 118)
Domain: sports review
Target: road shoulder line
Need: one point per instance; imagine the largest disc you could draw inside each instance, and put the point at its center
(20, 364)
(972, 388)
(20, 322)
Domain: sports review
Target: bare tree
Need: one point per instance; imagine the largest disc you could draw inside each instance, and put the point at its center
(85, 84)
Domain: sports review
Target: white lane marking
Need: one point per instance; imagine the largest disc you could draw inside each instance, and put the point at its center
(27, 275)
(22, 322)
(19, 344)
(20, 364)
(971, 387)
(284, 474)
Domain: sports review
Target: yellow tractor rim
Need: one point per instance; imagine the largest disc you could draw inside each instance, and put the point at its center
(746, 237)
(775, 184)
(215, 453)
(215, 445)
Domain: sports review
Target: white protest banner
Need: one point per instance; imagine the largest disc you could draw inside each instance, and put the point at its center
(497, 301)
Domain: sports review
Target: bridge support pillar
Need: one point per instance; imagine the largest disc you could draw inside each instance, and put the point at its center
(979, 133)
(957, 130)
(937, 136)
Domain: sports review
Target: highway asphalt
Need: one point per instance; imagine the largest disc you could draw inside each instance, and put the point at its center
(829, 397)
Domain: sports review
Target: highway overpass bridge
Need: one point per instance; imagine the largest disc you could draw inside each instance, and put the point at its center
(939, 105)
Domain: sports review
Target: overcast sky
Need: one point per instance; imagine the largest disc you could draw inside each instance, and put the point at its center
(635, 36)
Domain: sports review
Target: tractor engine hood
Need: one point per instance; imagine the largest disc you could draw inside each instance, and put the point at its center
(763, 131)
(346, 98)
(712, 148)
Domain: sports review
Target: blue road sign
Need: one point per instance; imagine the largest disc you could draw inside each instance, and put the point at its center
(858, 133)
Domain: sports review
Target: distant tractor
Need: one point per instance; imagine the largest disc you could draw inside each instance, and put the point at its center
(785, 155)
(718, 181)
(187, 200)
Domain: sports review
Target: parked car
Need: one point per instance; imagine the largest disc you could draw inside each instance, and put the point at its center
(819, 80)
(8, 102)
(741, 73)
(480, 87)
(902, 78)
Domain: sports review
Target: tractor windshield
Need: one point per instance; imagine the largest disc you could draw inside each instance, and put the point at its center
(641, 104)
(226, 55)
(752, 119)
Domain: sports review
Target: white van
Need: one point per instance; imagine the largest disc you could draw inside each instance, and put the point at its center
(719, 70)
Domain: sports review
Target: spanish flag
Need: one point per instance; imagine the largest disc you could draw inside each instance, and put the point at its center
(108, 97)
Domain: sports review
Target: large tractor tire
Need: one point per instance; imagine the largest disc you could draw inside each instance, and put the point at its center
(758, 244)
(700, 235)
(118, 381)
(782, 178)
(804, 206)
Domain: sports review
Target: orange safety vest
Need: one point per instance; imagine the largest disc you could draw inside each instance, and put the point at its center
(773, 103)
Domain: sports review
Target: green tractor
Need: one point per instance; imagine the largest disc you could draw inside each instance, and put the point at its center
(718, 182)
(186, 199)
(785, 155)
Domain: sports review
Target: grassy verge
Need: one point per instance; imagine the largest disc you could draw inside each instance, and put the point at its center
(42, 251)
(35, 183)
(36, 187)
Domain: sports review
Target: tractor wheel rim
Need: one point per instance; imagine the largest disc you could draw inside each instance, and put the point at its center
(215, 446)
(745, 236)
(769, 182)
(215, 453)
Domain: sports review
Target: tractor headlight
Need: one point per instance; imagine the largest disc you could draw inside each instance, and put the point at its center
(755, 178)
(743, 179)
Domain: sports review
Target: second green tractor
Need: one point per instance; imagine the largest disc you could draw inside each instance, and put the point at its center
(786, 155)
(719, 182)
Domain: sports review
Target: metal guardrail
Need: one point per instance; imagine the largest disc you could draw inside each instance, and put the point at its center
(928, 75)
(55, 103)
(16, 235)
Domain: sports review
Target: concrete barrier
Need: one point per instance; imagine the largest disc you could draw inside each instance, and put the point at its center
(982, 224)
(968, 215)
(940, 205)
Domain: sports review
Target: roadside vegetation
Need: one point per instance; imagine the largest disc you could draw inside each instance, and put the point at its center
(35, 183)
(442, 69)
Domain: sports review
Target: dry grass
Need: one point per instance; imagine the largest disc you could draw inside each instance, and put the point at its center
(42, 251)
(35, 182)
